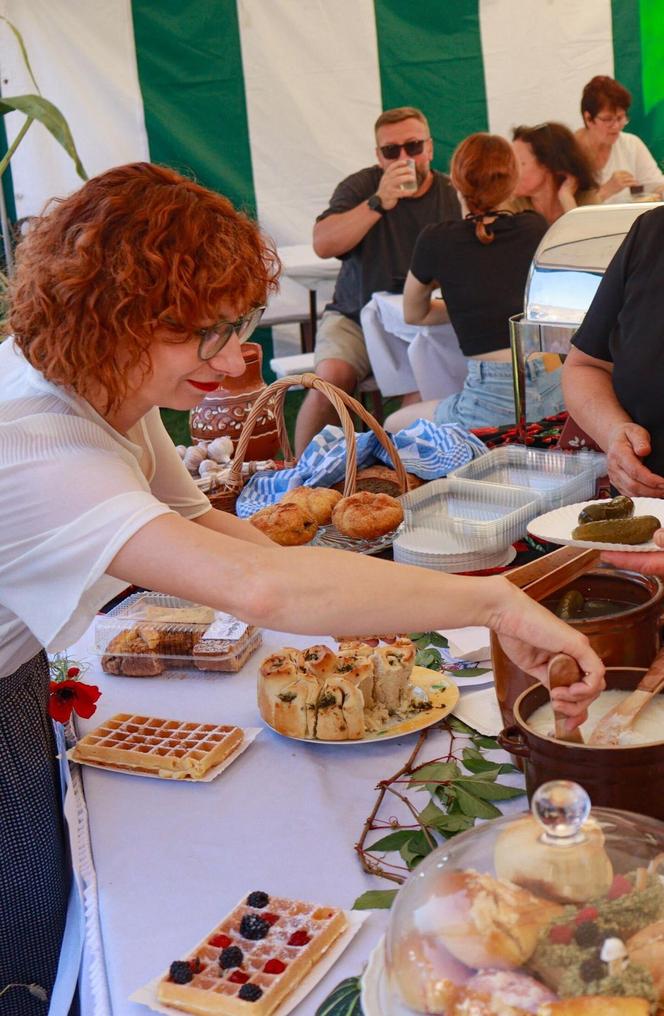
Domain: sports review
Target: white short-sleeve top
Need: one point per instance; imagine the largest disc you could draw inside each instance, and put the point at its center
(631, 154)
(72, 492)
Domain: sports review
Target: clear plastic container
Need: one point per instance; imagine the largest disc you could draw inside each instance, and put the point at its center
(487, 516)
(149, 634)
(446, 551)
(559, 478)
(557, 911)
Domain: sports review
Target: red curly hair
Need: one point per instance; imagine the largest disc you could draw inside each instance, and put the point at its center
(134, 248)
(484, 170)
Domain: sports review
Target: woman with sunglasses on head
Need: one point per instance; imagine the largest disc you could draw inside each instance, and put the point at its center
(135, 293)
(620, 160)
(555, 174)
(481, 265)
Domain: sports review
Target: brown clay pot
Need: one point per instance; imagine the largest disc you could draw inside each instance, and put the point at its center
(223, 413)
(630, 777)
(627, 639)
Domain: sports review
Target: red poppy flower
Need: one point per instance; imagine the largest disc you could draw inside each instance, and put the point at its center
(68, 696)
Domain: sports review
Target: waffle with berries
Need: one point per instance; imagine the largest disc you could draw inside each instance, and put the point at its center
(169, 748)
(253, 959)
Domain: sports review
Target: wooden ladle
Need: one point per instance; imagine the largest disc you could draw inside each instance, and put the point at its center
(620, 718)
(564, 671)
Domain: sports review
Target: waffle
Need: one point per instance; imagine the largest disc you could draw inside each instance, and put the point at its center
(287, 938)
(167, 747)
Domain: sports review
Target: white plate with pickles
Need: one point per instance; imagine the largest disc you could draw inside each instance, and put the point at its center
(587, 524)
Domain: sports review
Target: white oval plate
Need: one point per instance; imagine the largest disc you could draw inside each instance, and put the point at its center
(556, 526)
(375, 995)
(421, 677)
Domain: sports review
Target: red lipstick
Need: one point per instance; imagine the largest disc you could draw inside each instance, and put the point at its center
(205, 386)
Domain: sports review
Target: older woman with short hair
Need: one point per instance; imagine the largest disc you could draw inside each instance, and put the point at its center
(131, 294)
(620, 160)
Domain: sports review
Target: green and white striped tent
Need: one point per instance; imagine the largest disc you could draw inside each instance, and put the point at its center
(272, 102)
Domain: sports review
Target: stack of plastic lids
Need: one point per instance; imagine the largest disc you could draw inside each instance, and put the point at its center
(560, 478)
(459, 526)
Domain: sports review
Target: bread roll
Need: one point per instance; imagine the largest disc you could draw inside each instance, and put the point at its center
(320, 661)
(316, 501)
(340, 711)
(294, 707)
(647, 949)
(286, 524)
(393, 665)
(508, 991)
(566, 876)
(367, 516)
(596, 1005)
(359, 670)
(484, 922)
(424, 974)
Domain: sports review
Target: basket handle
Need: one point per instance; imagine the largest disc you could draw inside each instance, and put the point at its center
(342, 402)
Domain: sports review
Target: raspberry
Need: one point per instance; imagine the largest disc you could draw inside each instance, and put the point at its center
(274, 967)
(299, 938)
(270, 918)
(195, 965)
(586, 934)
(592, 970)
(587, 914)
(180, 972)
(238, 977)
(221, 941)
(561, 934)
(258, 900)
(253, 927)
(620, 886)
(250, 992)
(232, 956)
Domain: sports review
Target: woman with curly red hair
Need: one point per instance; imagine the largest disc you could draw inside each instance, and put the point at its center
(135, 293)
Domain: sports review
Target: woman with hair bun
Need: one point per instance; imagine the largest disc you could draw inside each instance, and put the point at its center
(555, 174)
(481, 264)
(620, 160)
(133, 293)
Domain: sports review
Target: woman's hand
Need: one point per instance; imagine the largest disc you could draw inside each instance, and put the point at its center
(531, 635)
(617, 182)
(567, 192)
(648, 563)
(628, 444)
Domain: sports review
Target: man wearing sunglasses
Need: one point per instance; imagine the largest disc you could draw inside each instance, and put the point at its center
(372, 222)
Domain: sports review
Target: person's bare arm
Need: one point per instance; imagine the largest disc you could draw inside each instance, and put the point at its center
(231, 525)
(315, 591)
(617, 181)
(419, 308)
(340, 232)
(591, 400)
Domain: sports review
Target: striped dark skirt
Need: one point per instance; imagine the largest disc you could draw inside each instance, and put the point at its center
(35, 870)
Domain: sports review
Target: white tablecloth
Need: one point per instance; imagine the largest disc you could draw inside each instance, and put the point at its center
(407, 358)
(300, 262)
(171, 858)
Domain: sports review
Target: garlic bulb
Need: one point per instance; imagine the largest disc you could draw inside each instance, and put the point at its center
(181, 450)
(193, 458)
(208, 467)
(221, 449)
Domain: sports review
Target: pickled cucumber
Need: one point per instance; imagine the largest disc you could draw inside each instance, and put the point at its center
(570, 604)
(635, 530)
(621, 507)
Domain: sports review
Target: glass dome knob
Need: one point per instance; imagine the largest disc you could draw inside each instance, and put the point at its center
(561, 808)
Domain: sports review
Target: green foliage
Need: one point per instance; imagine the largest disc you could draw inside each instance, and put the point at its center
(344, 1000)
(428, 645)
(375, 899)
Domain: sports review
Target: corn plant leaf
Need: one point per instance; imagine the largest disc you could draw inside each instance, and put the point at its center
(375, 899)
(38, 108)
(21, 46)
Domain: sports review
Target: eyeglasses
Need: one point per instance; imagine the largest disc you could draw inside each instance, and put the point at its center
(620, 118)
(411, 148)
(214, 338)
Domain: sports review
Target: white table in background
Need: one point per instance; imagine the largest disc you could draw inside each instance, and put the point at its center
(172, 858)
(302, 264)
(407, 358)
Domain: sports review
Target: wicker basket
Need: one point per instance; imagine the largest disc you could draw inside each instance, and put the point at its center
(227, 492)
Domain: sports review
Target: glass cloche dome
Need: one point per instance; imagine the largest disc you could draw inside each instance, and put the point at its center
(559, 912)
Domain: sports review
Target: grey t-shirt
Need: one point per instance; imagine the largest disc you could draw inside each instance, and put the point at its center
(380, 261)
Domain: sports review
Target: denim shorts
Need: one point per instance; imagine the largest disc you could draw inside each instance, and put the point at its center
(487, 397)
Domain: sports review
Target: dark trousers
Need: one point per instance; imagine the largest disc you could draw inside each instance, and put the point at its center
(35, 870)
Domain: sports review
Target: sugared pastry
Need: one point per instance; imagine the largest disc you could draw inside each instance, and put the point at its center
(366, 516)
(507, 988)
(317, 501)
(484, 922)
(286, 524)
(647, 949)
(427, 978)
(566, 876)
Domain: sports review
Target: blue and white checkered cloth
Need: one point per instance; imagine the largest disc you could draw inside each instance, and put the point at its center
(426, 449)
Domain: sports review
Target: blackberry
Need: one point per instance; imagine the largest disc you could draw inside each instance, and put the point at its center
(250, 992)
(253, 927)
(180, 972)
(232, 956)
(258, 900)
(586, 934)
(592, 970)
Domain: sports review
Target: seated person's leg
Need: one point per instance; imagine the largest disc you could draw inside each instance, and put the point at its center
(341, 358)
(408, 414)
(487, 397)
